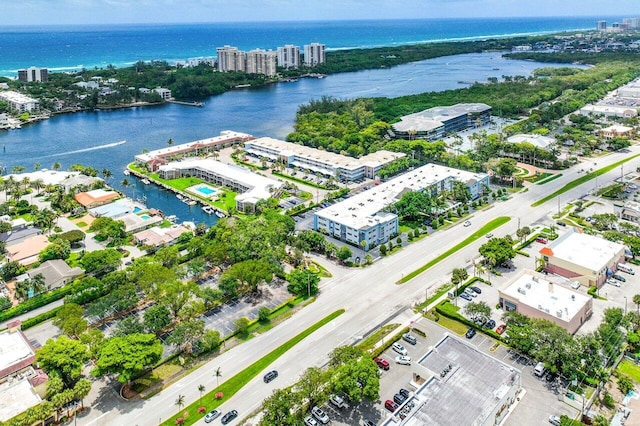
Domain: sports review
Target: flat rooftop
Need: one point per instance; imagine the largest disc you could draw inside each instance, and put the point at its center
(468, 393)
(15, 352)
(330, 158)
(432, 118)
(587, 251)
(532, 289)
(359, 211)
(16, 97)
(15, 398)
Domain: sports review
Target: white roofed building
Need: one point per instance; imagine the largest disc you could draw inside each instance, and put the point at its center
(539, 141)
(19, 102)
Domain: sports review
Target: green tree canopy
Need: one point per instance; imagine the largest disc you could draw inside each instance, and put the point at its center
(64, 357)
(128, 356)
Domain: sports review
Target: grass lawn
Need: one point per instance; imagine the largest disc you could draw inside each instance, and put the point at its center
(162, 372)
(226, 202)
(319, 269)
(235, 383)
(495, 223)
(180, 183)
(582, 179)
(370, 342)
(630, 369)
(453, 325)
(553, 177)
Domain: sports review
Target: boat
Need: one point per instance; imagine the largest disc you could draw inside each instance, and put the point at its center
(126, 172)
(172, 218)
(191, 202)
(145, 181)
(208, 209)
(219, 214)
(180, 197)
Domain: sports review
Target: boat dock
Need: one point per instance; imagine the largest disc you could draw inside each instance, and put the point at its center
(194, 103)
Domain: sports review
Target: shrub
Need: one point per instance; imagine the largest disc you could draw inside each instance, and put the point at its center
(608, 401)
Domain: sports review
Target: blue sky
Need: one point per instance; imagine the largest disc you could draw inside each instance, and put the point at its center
(26, 12)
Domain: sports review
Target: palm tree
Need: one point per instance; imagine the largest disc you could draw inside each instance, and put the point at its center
(56, 166)
(125, 183)
(170, 142)
(217, 374)
(636, 300)
(201, 389)
(36, 167)
(180, 402)
(37, 185)
(106, 174)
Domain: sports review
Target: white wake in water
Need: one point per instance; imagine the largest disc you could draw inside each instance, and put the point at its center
(93, 148)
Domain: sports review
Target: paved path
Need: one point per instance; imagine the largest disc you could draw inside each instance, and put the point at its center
(368, 295)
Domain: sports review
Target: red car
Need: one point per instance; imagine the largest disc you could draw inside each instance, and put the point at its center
(390, 405)
(501, 328)
(382, 363)
(542, 240)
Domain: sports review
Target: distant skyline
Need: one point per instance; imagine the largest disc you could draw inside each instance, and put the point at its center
(69, 12)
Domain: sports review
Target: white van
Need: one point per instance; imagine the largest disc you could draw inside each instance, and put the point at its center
(627, 269)
(539, 369)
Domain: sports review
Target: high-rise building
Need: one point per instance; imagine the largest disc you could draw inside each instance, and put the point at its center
(601, 26)
(288, 56)
(40, 75)
(261, 62)
(631, 23)
(314, 54)
(230, 59)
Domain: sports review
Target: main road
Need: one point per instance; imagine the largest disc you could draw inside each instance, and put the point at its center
(369, 296)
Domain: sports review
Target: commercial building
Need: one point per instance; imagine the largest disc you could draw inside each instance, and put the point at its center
(261, 62)
(288, 56)
(251, 186)
(435, 123)
(457, 384)
(153, 159)
(56, 273)
(314, 54)
(534, 295)
(230, 59)
(601, 26)
(19, 102)
(17, 376)
(539, 141)
(608, 110)
(627, 210)
(32, 74)
(317, 161)
(616, 131)
(587, 259)
(361, 219)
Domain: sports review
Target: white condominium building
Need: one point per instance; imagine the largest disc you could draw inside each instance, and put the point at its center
(288, 56)
(40, 75)
(230, 59)
(19, 102)
(314, 54)
(261, 62)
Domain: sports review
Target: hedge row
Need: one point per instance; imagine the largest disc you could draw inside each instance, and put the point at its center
(448, 310)
(33, 321)
(388, 342)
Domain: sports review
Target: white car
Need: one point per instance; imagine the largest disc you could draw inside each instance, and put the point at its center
(337, 400)
(489, 235)
(467, 223)
(554, 420)
(320, 415)
(613, 282)
(398, 348)
(310, 421)
(404, 360)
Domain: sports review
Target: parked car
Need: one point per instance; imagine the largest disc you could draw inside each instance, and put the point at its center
(310, 421)
(501, 328)
(398, 348)
(270, 376)
(229, 416)
(368, 422)
(212, 415)
(390, 405)
(467, 223)
(489, 235)
(470, 333)
(408, 337)
(399, 399)
(337, 400)
(404, 360)
(490, 324)
(561, 224)
(320, 415)
(554, 420)
(465, 296)
(613, 282)
(476, 289)
(470, 292)
(619, 278)
(382, 363)
(404, 392)
(542, 240)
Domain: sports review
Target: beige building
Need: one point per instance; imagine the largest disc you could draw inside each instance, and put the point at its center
(532, 294)
(314, 54)
(588, 259)
(230, 59)
(616, 131)
(261, 62)
(288, 56)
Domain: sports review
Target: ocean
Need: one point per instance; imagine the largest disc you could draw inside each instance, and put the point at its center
(61, 48)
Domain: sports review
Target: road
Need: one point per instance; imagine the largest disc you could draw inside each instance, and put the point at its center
(369, 296)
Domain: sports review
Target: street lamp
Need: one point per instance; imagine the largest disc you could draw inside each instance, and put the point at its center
(625, 305)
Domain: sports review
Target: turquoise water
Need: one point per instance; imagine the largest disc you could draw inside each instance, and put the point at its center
(137, 209)
(206, 190)
(145, 217)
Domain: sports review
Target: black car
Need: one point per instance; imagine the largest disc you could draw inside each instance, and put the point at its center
(368, 422)
(404, 392)
(399, 399)
(270, 376)
(476, 289)
(490, 324)
(229, 416)
(470, 333)
(619, 278)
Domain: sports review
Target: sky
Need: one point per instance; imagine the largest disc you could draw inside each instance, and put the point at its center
(65, 12)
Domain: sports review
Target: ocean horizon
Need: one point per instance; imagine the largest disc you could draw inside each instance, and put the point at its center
(68, 48)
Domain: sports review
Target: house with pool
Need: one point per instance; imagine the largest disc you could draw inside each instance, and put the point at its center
(251, 187)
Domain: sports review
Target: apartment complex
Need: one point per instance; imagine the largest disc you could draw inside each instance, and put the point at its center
(19, 102)
(314, 54)
(533, 294)
(288, 56)
(230, 59)
(317, 161)
(435, 123)
(261, 62)
(41, 75)
(362, 220)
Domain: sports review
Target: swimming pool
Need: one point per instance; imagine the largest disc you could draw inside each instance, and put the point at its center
(145, 217)
(206, 190)
(137, 210)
